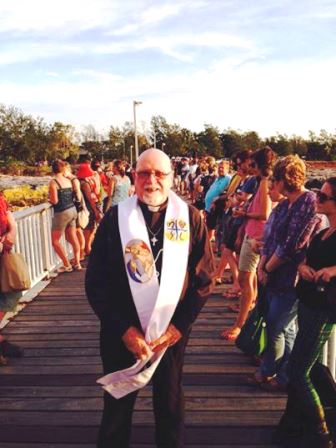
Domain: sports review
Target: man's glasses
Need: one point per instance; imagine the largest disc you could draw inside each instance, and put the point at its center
(322, 197)
(253, 165)
(147, 174)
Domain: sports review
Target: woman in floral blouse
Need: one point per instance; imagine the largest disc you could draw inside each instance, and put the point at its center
(286, 236)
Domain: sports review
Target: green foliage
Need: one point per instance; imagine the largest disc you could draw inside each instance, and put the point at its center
(15, 168)
(28, 140)
(210, 142)
(23, 138)
(26, 196)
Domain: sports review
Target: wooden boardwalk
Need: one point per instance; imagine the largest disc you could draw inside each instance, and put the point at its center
(49, 398)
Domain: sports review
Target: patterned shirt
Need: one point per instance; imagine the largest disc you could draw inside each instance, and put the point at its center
(287, 234)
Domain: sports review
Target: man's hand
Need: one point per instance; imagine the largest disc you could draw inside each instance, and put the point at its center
(136, 344)
(171, 336)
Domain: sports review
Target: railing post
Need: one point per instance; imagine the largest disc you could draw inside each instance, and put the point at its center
(45, 231)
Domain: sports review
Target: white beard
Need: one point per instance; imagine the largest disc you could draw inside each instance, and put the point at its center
(154, 199)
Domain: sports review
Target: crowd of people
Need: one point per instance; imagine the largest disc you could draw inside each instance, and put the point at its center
(271, 230)
(99, 189)
(274, 235)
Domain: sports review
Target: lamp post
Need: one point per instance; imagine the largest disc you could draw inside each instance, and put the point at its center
(131, 155)
(135, 104)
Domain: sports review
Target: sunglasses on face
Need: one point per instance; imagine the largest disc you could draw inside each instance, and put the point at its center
(322, 197)
(147, 174)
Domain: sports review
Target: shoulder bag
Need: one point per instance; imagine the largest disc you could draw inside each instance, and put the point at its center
(252, 339)
(83, 215)
(14, 273)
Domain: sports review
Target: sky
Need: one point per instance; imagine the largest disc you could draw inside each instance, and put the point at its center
(264, 65)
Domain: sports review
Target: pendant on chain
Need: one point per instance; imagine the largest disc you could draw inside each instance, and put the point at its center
(154, 240)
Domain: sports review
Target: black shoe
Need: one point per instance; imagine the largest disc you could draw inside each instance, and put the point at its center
(10, 350)
(317, 440)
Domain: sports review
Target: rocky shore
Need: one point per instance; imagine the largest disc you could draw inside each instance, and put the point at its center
(320, 169)
(7, 181)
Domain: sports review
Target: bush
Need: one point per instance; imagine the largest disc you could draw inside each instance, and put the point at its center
(13, 168)
(26, 196)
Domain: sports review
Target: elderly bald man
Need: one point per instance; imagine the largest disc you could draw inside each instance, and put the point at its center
(147, 279)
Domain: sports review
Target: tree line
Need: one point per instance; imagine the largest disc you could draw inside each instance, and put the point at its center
(29, 139)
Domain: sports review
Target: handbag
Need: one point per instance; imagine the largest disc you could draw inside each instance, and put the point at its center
(252, 339)
(14, 273)
(318, 295)
(83, 215)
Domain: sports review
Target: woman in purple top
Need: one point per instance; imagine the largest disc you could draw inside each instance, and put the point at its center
(286, 236)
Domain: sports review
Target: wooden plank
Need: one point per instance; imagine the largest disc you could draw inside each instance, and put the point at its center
(90, 418)
(198, 352)
(76, 359)
(197, 403)
(204, 437)
(96, 368)
(84, 379)
(50, 399)
(204, 334)
(136, 445)
(209, 391)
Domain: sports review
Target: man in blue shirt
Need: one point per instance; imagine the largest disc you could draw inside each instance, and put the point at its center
(216, 189)
(219, 185)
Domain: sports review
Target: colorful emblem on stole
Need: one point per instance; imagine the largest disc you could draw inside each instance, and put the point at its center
(139, 261)
(177, 230)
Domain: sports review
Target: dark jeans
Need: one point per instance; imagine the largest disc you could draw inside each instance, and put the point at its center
(314, 331)
(168, 403)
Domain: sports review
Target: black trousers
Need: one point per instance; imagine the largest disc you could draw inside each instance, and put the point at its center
(168, 405)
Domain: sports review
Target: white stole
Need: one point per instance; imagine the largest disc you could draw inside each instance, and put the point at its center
(155, 303)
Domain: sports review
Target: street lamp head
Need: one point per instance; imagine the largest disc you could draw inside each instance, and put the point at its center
(137, 103)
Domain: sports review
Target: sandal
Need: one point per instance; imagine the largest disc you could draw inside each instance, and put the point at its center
(230, 334)
(77, 267)
(63, 269)
(258, 379)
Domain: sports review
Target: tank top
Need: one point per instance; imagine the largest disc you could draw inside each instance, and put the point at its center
(65, 198)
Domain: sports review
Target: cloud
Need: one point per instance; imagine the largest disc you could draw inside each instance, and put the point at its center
(46, 16)
(154, 15)
(229, 61)
(180, 47)
(252, 96)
